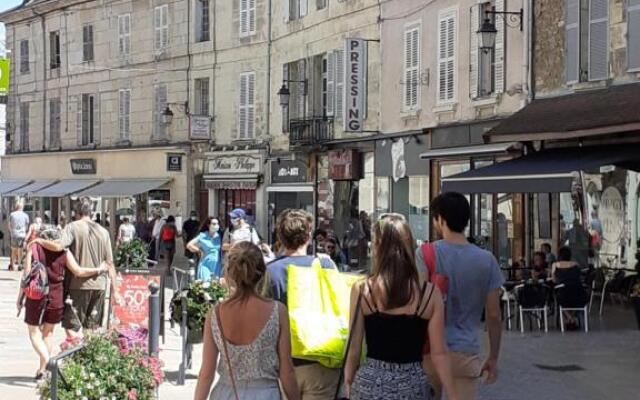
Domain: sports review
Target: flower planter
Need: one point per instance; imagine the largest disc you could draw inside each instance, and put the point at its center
(636, 306)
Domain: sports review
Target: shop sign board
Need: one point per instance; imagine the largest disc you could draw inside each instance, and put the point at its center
(200, 127)
(174, 162)
(344, 165)
(240, 164)
(83, 166)
(611, 214)
(133, 311)
(288, 171)
(355, 84)
(4, 76)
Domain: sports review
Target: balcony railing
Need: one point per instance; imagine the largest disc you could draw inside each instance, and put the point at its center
(310, 131)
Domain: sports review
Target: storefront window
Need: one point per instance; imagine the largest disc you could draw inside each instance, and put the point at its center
(419, 207)
(504, 223)
(229, 199)
(383, 196)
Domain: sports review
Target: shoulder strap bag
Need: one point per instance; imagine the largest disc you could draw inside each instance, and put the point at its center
(346, 353)
(226, 352)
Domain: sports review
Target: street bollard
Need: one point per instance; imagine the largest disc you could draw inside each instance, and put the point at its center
(182, 371)
(154, 319)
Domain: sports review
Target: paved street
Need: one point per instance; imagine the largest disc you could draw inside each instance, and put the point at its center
(603, 364)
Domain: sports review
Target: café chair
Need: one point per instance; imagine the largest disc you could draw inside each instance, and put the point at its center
(532, 299)
(572, 298)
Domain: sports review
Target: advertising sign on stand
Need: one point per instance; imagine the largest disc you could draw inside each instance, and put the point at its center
(133, 312)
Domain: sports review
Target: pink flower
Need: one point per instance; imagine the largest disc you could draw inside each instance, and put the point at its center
(132, 395)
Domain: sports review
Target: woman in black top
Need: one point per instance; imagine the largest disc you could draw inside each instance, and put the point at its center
(395, 312)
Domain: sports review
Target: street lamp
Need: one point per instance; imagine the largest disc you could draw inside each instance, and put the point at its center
(284, 94)
(167, 116)
(487, 32)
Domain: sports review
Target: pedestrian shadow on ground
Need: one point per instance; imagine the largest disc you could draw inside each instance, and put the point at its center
(172, 376)
(22, 381)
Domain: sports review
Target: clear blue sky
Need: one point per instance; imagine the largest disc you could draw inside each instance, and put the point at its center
(5, 5)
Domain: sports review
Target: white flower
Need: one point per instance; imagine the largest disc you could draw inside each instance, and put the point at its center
(78, 392)
(207, 298)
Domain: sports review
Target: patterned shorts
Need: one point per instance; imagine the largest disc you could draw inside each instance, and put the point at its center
(390, 381)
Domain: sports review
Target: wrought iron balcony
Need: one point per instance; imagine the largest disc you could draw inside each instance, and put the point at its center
(310, 131)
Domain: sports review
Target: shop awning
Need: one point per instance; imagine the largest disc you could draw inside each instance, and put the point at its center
(547, 171)
(32, 187)
(241, 181)
(469, 151)
(615, 109)
(123, 187)
(8, 186)
(64, 188)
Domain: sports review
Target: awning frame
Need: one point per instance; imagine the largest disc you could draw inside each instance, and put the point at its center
(475, 150)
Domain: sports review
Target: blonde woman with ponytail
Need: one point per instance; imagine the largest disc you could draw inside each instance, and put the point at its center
(251, 335)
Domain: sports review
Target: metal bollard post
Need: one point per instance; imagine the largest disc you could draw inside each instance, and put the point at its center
(154, 319)
(182, 371)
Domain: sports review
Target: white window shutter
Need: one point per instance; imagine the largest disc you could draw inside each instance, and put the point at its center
(96, 118)
(165, 25)
(251, 99)
(451, 54)
(446, 57)
(474, 55)
(572, 41)
(285, 10)
(411, 79)
(406, 98)
(339, 58)
(598, 39)
(303, 7)
(252, 16)
(331, 82)
(121, 113)
(242, 107)
(498, 66)
(78, 100)
(442, 63)
(633, 35)
(244, 17)
(157, 23)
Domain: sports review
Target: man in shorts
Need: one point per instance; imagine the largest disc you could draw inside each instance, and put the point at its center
(18, 226)
(91, 245)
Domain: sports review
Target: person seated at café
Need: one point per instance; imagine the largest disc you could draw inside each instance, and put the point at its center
(539, 267)
(549, 256)
(567, 272)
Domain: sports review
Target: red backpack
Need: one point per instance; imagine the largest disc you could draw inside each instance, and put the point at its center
(167, 234)
(442, 282)
(36, 284)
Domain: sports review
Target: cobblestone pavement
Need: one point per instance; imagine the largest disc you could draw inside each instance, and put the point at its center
(602, 364)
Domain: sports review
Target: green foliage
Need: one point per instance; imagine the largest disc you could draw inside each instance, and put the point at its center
(103, 371)
(132, 255)
(200, 297)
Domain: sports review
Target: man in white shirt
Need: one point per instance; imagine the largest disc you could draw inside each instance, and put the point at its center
(242, 231)
(157, 222)
(126, 232)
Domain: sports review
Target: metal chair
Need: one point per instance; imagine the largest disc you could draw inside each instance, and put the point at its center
(532, 298)
(572, 298)
(507, 298)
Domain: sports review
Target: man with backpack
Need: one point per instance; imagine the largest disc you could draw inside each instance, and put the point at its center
(91, 245)
(241, 232)
(293, 229)
(470, 280)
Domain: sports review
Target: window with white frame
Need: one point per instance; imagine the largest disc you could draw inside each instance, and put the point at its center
(447, 56)
(161, 27)
(296, 9)
(124, 113)
(54, 123)
(633, 35)
(411, 78)
(124, 34)
(247, 17)
(335, 83)
(87, 43)
(24, 56)
(24, 126)
(586, 40)
(202, 18)
(159, 105)
(246, 105)
(201, 87)
(88, 119)
(486, 66)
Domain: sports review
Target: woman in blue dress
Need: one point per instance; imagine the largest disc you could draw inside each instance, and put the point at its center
(208, 245)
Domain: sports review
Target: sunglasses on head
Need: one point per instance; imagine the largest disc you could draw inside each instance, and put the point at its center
(392, 215)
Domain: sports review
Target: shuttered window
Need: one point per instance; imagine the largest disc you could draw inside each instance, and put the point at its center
(202, 18)
(411, 81)
(598, 39)
(475, 54)
(124, 113)
(87, 43)
(303, 7)
(24, 126)
(246, 106)
(124, 34)
(89, 123)
(54, 50)
(54, 123)
(24, 56)
(331, 83)
(446, 56)
(572, 41)
(201, 87)
(159, 105)
(633, 35)
(247, 17)
(161, 27)
(339, 107)
(498, 55)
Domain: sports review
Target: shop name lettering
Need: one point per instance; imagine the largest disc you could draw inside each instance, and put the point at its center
(292, 171)
(354, 75)
(238, 164)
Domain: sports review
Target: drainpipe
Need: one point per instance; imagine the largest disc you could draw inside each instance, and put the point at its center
(269, 45)
(531, 38)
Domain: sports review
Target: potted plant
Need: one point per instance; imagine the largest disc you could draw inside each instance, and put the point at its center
(200, 297)
(635, 289)
(132, 255)
(106, 367)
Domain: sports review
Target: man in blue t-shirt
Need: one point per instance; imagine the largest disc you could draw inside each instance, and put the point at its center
(293, 229)
(474, 281)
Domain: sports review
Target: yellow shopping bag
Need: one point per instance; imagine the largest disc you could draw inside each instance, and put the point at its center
(318, 301)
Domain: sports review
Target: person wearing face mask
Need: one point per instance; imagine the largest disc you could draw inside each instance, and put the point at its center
(242, 231)
(208, 244)
(190, 229)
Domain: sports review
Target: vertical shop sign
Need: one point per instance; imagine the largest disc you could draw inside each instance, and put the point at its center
(355, 84)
